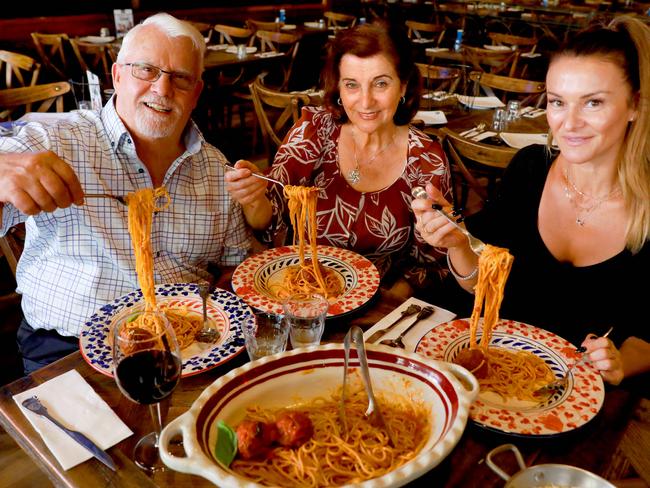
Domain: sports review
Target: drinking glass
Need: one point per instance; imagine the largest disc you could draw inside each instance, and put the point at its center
(147, 367)
(241, 51)
(499, 120)
(305, 315)
(265, 334)
(513, 110)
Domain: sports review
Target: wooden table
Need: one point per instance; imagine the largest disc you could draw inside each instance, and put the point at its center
(591, 447)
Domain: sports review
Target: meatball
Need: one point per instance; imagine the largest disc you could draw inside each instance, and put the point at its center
(255, 439)
(474, 360)
(294, 428)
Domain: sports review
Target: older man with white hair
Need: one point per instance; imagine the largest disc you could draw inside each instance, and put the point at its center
(77, 254)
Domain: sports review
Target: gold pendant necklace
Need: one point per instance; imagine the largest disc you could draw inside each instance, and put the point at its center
(354, 175)
(573, 193)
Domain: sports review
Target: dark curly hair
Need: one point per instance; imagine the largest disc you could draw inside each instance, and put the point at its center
(364, 41)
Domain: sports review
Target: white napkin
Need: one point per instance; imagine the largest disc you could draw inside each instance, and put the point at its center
(530, 55)
(217, 47)
(422, 40)
(415, 334)
(269, 54)
(70, 399)
(519, 140)
(433, 50)
(483, 135)
(431, 117)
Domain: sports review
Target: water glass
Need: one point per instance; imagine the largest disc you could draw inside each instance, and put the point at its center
(305, 315)
(265, 334)
(499, 120)
(241, 51)
(513, 110)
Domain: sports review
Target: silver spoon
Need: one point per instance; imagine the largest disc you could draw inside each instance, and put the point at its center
(207, 334)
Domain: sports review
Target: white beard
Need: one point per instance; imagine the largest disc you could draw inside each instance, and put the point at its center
(155, 126)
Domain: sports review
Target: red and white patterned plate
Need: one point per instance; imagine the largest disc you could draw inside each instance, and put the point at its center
(252, 278)
(564, 411)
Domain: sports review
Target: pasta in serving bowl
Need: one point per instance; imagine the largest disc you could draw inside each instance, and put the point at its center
(298, 379)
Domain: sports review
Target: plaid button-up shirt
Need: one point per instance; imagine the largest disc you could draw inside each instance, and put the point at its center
(79, 258)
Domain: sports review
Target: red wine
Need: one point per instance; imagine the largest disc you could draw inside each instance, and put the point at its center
(148, 376)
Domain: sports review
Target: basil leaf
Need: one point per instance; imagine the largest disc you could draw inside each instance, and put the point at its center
(226, 447)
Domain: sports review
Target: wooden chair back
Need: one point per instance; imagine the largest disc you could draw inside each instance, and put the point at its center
(51, 49)
(12, 244)
(280, 42)
(472, 162)
(232, 35)
(437, 78)
(520, 44)
(20, 70)
(96, 58)
(276, 112)
(336, 19)
(203, 27)
(423, 30)
(487, 60)
(21, 100)
(255, 25)
(535, 90)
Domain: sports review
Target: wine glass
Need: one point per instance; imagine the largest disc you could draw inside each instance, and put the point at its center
(147, 367)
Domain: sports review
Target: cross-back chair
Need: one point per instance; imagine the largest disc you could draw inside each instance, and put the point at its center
(229, 34)
(17, 101)
(51, 49)
(263, 25)
(276, 112)
(520, 44)
(20, 70)
(284, 43)
(423, 30)
(339, 20)
(475, 162)
(529, 92)
(203, 27)
(487, 60)
(437, 78)
(12, 244)
(96, 58)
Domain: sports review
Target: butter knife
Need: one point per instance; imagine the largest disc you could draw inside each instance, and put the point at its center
(33, 404)
(410, 310)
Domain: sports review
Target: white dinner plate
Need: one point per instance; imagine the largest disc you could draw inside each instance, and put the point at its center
(480, 102)
(490, 47)
(233, 49)
(97, 39)
(314, 25)
(431, 117)
(518, 140)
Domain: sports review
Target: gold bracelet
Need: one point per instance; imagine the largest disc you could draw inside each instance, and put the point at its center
(460, 277)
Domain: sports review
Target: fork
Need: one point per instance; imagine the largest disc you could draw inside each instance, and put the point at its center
(372, 413)
(257, 175)
(410, 310)
(479, 129)
(562, 381)
(206, 334)
(122, 200)
(397, 342)
(476, 245)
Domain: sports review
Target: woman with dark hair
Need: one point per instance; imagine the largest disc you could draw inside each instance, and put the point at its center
(363, 155)
(577, 220)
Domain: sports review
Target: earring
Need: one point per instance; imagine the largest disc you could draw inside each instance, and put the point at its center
(339, 101)
(402, 100)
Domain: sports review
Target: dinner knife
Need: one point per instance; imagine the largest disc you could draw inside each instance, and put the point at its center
(33, 404)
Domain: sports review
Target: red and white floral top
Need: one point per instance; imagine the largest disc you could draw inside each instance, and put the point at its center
(379, 225)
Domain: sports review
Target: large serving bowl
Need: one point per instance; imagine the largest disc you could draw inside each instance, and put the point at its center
(300, 375)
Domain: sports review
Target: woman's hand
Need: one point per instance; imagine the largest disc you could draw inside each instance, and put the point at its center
(244, 187)
(433, 227)
(605, 357)
(250, 192)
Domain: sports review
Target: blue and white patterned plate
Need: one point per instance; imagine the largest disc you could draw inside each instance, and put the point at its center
(225, 309)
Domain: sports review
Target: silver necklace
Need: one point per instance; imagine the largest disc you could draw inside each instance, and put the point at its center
(583, 211)
(354, 175)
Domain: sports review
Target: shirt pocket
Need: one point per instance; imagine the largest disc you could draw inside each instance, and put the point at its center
(196, 236)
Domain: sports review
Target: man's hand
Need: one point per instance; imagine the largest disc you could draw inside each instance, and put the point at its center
(36, 182)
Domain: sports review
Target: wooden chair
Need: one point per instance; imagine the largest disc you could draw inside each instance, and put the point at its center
(519, 44)
(51, 49)
(96, 58)
(337, 20)
(204, 28)
(13, 100)
(473, 162)
(232, 35)
(276, 112)
(12, 245)
(423, 30)
(534, 91)
(280, 42)
(18, 69)
(486, 60)
(255, 25)
(439, 78)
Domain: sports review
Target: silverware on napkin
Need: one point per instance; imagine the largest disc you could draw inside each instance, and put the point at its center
(412, 309)
(33, 404)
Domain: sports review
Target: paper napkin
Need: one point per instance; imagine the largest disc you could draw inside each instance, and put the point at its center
(431, 117)
(434, 50)
(415, 334)
(71, 400)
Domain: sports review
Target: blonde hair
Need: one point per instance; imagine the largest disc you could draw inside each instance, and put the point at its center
(625, 42)
(172, 27)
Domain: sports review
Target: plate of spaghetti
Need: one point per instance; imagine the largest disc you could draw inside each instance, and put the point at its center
(426, 418)
(505, 403)
(182, 305)
(264, 280)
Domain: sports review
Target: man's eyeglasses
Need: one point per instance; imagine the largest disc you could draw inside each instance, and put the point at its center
(150, 73)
